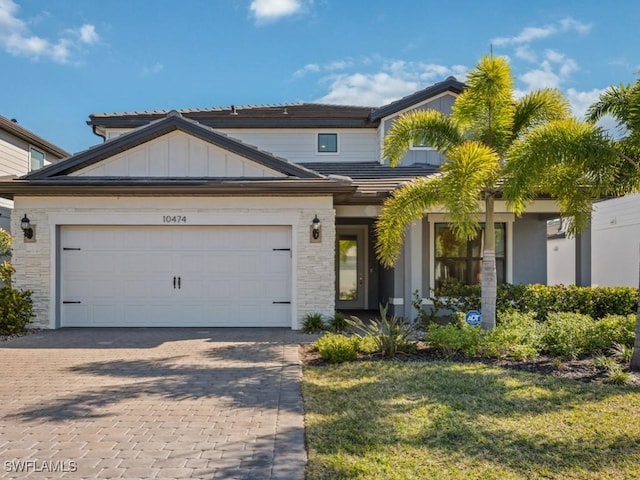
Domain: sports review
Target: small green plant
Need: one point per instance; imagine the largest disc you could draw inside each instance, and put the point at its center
(617, 376)
(313, 323)
(337, 323)
(367, 344)
(16, 310)
(6, 268)
(622, 353)
(453, 340)
(336, 348)
(424, 318)
(602, 362)
(392, 334)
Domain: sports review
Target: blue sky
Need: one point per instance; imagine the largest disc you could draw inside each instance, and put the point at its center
(61, 61)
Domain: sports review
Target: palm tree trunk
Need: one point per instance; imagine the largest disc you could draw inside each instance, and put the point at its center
(489, 278)
(635, 360)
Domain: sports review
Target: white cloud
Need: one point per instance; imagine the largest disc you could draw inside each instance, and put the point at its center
(16, 39)
(529, 34)
(88, 34)
(267, 11)
(308, 68)
(580, 101)
(525, 53)
(394, 79)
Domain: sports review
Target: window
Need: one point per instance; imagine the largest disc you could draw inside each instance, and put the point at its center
(37, 159)
(463, 260)
(327, 143)
(420, 145)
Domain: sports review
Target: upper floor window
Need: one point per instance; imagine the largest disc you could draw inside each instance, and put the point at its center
(462, 260)
(420, 145)
(37, 159)
(327, 143)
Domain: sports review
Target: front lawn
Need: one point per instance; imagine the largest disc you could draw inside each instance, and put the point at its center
(445, 420)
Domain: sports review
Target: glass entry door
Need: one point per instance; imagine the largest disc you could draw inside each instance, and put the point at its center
(350, 268)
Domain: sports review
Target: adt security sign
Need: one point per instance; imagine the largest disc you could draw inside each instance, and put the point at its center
(473, 318)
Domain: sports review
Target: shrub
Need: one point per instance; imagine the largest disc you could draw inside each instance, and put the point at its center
(617, 376)
(391, 334)
(622, 353)
(517, 335)
(336, 348)
(366, 344)
(16, 310)
(6, 268)
(602, 362)
(313, 323)
(612, 329)
(567, 334)
(454, 339)
(337, 323)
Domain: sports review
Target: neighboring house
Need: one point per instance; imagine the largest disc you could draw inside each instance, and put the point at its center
(243, 216)
(21, 152)
(615, 242)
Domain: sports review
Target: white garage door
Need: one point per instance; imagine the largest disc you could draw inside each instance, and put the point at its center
(223, 276)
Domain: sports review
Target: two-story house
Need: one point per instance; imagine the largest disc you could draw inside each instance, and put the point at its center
(243, 216)
(21, 152)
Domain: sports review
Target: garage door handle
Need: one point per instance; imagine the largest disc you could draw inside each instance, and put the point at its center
(179, 282)
(288, 303)
(71, 302)
(174, 282)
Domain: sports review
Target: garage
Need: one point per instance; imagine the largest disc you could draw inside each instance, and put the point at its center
(175, 276)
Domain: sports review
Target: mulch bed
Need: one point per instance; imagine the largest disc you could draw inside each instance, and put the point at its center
(580, 369)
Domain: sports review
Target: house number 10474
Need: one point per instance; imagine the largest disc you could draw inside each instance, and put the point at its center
(174, 219)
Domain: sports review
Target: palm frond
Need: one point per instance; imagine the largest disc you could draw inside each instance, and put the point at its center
(471, 168)
(485, 109)
(537, 108)
(408, 203)
(614, 101)
(419, 127)
(579, 154)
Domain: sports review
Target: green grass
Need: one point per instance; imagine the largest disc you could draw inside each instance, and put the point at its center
(442, 420)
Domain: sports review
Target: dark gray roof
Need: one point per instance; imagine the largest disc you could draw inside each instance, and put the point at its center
(371, 170)
(253, 116)
(172, 121)
(373, 181)
(28, 136)
(287, 115)
(448, 85)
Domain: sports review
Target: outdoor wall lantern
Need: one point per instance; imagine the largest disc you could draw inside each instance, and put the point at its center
(315, 229)
(25, 224)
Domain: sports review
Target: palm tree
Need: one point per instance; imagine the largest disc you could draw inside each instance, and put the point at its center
(623, 104)
(495, 146)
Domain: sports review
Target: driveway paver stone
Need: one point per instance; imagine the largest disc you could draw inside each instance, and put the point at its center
(164, 403)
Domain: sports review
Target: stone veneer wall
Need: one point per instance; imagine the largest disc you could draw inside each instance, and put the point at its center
(315, 272)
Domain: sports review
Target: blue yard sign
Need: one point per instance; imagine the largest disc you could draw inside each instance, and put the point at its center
(473, 318)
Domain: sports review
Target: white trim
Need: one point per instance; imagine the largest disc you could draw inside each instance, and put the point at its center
(396, 301)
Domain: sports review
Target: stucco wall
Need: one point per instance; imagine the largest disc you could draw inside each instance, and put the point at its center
(312, 263)
(530, 250)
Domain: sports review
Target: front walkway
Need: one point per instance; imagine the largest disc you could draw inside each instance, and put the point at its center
(152, 403)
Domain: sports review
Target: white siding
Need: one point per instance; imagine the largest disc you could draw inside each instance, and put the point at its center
(561, 263)
(615, 242)
(14, 155)
(301, 145)
(178, 154)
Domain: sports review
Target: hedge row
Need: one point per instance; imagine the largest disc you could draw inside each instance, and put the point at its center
(597, 302)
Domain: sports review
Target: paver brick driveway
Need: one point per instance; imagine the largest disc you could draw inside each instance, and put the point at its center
(152, 403)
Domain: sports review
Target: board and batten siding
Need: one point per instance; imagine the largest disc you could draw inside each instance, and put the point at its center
(178, 154)
(442, 103)
(14, 155)
(615, 242)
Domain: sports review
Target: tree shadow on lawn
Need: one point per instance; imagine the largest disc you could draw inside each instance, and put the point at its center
(518, 422)
(270, 386)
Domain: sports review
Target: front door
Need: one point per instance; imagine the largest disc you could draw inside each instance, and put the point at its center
(350, 268)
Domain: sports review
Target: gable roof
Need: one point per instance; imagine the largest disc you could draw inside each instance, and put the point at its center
(286, 115)
(171, 122)
(28, 136)
(448, 85)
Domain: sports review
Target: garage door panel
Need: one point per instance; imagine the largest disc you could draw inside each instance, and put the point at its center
(229, 276)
